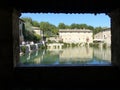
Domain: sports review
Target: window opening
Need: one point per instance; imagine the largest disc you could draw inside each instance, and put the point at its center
(45, 41)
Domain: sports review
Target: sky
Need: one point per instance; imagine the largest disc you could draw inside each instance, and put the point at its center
(101, 20)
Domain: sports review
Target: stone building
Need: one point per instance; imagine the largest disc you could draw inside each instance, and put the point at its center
(12, 77)
(76, 35)
(53, 39)
(104, 36)
(37, 31)
(21, 28)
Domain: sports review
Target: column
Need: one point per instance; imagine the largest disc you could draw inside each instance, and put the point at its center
(9, 42)
(115, 36)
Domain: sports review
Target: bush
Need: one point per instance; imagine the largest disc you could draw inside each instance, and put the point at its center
(73, 44)
(104, 45)
(32, 47)
(49, 41)
(23, 49)
(91, 44)
(95, 45)
(60, 41)
(39, 46)
(65, 45)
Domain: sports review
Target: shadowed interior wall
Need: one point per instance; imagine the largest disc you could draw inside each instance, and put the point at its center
(9, 41)
(15, 35)
(6, 46)
(9, 38)
(115, 37)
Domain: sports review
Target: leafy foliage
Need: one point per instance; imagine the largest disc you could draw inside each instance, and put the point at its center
(35, 24)
(29, 34)
(62, 26)
(51, 30)
(48, 29)
(23, 49)
(27, 19)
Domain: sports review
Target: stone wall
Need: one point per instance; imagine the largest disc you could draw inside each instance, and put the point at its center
(15, 35)
(92, 76)
(115, 38)
(9, 34)
(6, 42)
(76, 35)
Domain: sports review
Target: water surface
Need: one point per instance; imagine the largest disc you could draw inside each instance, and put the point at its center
(78, 56)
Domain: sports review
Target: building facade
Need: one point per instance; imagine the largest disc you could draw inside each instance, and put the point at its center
(76, 35)
(104, 36)
(21, 28)
(37, 31)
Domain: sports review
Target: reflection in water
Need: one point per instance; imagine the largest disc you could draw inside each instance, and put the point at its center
(68, 56)
(102, 54)
(76, 54)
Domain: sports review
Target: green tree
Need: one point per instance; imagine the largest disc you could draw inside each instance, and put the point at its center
(27, 19)
(62, 26)
(36, 37)
(97, 30)
(74, 26)
(82, 26)
(45, 27)
(54, 29)
(35, 24)
(48, 29)
(28, 33)
(28, 26)
(90, 27)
